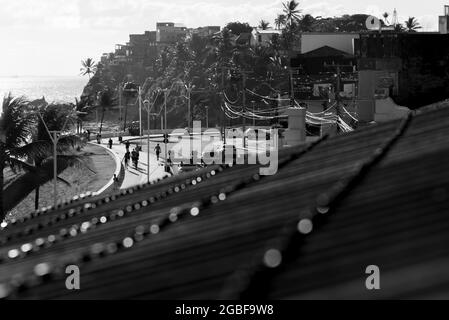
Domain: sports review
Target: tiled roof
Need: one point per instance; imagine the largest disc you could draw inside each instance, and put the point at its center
(377, 196)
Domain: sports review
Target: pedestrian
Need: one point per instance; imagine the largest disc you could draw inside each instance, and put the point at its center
(88, 135)
(110, 143)
(120, 138)
(127, 145)
(134, 157)
(127, 157)
(158, 151)
(116, 182)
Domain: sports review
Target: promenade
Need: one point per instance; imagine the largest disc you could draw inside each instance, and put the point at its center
(135, 176)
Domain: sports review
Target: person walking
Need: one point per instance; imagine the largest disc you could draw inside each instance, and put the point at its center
(158, 151)
(127, 145)
(134, 157)
(116, 182)
(110, 143)
(127, 157)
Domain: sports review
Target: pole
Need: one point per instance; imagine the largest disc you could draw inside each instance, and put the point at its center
(292, 92)
(120, 102)
(165, 123)
(254, 118)
(165, 110)
(337, 96)
(207, 117)
(55, 168)
(140, 115)
(244, 109)
(148, 145)
(223, 125)
(189, 91)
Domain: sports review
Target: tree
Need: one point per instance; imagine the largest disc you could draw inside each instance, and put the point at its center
(280, 21)
(307, 23)
(412, 25)
(89, 67)
(105, 100)
(291, 12)
(16, 128)
(54, 116)
(238, 28)
(385, 16)
(264, 25)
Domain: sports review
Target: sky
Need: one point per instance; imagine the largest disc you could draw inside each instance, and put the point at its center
(51, 37)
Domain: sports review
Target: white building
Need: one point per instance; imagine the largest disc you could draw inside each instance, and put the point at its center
(263, 37)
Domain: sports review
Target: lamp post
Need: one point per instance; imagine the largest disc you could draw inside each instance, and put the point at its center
(148, 108)
(207, 117)
(54, 139)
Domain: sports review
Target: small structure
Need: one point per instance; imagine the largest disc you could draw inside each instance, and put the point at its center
(296, 132)
(263, 37)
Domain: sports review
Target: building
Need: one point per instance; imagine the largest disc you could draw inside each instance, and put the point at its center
(309, 41)
(143, 48)
(205, 31)
(443, 21)
(263, 37)
(169, 32)
(411, 68)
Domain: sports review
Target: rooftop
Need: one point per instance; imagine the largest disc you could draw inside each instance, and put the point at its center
(377, 196)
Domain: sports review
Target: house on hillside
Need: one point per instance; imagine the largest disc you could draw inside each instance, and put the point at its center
(263, 38)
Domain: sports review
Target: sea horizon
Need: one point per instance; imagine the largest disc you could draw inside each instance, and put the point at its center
(59, 88)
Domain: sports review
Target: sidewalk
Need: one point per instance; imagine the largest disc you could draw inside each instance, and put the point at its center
(135, 177)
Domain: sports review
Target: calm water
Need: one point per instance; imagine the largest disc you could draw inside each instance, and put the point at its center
(54, 89)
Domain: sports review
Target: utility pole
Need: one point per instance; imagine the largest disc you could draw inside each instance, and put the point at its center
(292, 89)
(223, 114)
(253, 104)
(140, 115)
(165, 109)
(337, 96)
(120, 102)
(189, 94)
(244, 109)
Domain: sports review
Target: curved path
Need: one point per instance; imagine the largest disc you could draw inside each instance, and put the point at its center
(135, 176)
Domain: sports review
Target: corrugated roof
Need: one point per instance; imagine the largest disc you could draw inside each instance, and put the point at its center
(208, 234)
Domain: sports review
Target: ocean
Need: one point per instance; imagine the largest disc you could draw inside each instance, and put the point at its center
(54, 89)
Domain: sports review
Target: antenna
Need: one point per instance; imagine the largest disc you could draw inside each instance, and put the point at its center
(372, 23)
(395, 18)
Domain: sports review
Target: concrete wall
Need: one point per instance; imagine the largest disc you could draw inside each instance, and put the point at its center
(341, 41)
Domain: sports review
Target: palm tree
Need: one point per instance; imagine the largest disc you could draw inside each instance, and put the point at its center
(54, 116)
(412, 25)
(264, 25)
(105, 101)
(89, 67)
(291, 12)
(16, 129)
(386, 15)
(280, 21)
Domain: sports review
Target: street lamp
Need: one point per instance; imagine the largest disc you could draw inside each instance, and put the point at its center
(54, 139)
(148, 108)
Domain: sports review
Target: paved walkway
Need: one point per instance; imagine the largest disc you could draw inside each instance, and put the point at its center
(137, 176)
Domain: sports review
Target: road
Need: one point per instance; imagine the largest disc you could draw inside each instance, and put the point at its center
(137, 176)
